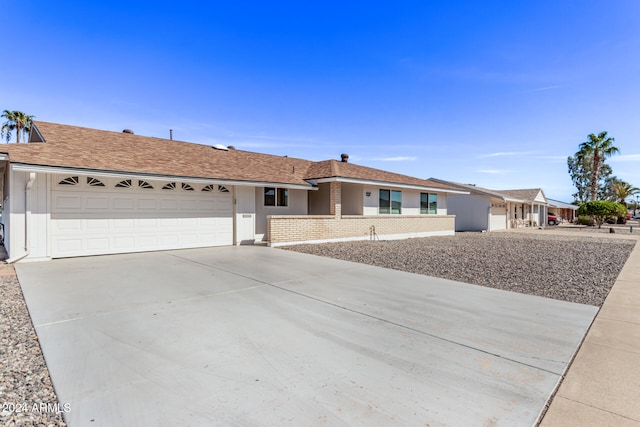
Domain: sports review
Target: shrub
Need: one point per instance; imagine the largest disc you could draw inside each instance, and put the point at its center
(600, 210)
(584, 220)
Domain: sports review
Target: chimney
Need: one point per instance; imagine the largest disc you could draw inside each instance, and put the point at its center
(344, 158)
(127, 131)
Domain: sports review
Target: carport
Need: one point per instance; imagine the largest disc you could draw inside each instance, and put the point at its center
(261, 336)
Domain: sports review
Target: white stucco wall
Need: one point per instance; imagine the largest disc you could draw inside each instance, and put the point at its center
(471, 211)
(352, 199)
(319, 200)
(297, 206)
(6, 208)
(370, 202)
(36, 221)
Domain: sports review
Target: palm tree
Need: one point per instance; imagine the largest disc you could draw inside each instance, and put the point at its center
(622, 190)
(18, 121)
(600, 147)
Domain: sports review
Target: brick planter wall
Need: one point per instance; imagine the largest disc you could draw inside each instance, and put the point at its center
(288, 229)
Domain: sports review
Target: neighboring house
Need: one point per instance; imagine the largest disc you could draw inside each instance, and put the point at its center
(74, 191)
(562, 210)
(490, 210)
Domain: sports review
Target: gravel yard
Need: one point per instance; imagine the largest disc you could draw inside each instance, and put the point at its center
(576, 266)
(26, 393)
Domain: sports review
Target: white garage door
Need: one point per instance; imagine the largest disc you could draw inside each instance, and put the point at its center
(92, 216)
(498, 217)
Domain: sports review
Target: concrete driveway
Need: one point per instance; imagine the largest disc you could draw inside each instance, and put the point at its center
(261, 336)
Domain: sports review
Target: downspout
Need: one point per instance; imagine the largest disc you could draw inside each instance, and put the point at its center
(27, 218)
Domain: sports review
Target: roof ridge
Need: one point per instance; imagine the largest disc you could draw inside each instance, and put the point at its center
(335, 169)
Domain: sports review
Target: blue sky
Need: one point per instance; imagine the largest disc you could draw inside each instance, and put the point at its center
(493, 93)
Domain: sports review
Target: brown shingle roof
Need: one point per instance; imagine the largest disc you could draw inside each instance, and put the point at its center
(84, 148)
(334, 169)
(472, 188)
(523, 195)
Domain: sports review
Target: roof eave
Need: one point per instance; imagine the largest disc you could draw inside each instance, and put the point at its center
(387, 183)
(26, 167)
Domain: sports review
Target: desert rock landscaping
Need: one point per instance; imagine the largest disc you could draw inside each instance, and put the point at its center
(578, 267)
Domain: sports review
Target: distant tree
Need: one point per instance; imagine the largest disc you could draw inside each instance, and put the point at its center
(607, 190)
(15, 120)
(580, 170)
(622, 190)
(599, 147)
(600, 210)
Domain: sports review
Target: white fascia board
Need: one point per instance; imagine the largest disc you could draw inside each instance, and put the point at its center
(561, 205)
(60, 170)
(510, 199)
(389, 184)
(489, 193)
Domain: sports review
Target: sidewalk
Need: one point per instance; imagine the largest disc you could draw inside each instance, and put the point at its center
(602, 385)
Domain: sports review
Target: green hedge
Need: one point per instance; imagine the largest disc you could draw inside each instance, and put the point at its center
(583, 220)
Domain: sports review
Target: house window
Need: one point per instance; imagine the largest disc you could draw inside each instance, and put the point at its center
(211, 187)
(428, 203)
(276, 196)
(72, 180)
(94, 182)
(390, 202)
(124, 184)
(145, 184)
(187, 187)
(169, 186)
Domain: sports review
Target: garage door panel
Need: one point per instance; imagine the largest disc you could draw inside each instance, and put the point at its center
(96, 221)
(149, 241)
(189, 239)
(208, 222)
(67, 225)
(169, 240)
(147, 223)
(147, 204)
(68, 202)
(97, 203)
(123, 243)
(97, 244)
(189, 205)
(120, 203)
(97, 225)
(168, 204)
(122, 224)
(168, 222)
(207, 205)
(189, 222)
(69, 245)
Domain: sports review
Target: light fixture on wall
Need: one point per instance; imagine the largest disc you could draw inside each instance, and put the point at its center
(368, 193)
